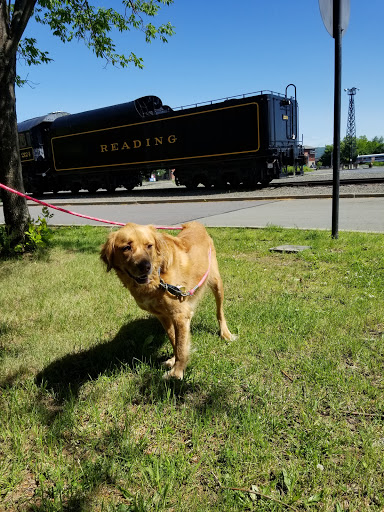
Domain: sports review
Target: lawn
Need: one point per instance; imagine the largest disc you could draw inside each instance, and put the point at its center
(290, 416)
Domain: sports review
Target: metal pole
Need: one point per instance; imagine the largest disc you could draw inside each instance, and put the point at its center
(337, 116)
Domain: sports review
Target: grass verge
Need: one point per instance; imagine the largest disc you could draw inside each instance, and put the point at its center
(292, 411)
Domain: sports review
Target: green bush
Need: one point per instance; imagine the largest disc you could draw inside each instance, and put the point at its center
(36, 239)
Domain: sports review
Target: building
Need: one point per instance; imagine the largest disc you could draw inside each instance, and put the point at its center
(310, 156)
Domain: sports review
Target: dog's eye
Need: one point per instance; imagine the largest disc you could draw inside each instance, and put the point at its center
(149, 246)
(127, 248)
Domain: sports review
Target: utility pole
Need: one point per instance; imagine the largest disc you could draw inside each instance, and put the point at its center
(337, 35)
(335, 15)
(351, 125)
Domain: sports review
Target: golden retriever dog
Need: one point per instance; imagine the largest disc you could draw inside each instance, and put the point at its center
(167, 276)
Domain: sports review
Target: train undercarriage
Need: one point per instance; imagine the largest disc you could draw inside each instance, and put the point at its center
(37, 184)
(250, 173)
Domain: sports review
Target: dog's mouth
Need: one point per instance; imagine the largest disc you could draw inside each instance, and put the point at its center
(143, 279)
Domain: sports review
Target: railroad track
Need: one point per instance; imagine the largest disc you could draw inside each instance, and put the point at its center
(164, 189)
(323, 183)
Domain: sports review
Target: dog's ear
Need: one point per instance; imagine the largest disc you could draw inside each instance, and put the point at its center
(107, 251)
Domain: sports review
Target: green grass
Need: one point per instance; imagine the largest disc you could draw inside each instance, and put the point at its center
(293, 409)
(291, 169)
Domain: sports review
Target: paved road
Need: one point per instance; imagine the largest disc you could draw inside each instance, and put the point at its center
(356, 214)
(246, 208)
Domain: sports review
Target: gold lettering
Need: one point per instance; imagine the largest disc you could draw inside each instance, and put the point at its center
(136, 143)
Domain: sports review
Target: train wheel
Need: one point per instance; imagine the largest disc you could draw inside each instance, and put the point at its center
(225, 183)
(92, 189)
(265, 182)
(220, 183)
(193, 183)
(207, 182)
(38, 192)
(234, 181)
(250, 182)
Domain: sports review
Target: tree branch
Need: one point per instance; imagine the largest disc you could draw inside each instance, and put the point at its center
(22, 12)
(8, 13)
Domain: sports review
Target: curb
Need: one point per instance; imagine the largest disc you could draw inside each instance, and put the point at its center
(255, 226)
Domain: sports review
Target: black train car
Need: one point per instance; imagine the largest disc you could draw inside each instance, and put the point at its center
(46, 142)
(243, 140)
(35, 150)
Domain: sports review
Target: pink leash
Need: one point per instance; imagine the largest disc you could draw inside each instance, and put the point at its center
(175, 290)
(48, 205)
(191, 292)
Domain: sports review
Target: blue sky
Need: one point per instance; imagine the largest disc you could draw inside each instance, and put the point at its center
(224, 48)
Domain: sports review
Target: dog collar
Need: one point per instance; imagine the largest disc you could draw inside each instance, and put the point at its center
(180, 291)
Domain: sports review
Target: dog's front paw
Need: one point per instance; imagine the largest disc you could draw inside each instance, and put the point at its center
(174, 374)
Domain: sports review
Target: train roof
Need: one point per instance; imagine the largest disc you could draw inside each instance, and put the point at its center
(247, 95)
(24, 126)
(369, 156)
(107, 117)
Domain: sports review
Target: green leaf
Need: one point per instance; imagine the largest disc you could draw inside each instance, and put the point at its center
(94, 26)
(315, 498)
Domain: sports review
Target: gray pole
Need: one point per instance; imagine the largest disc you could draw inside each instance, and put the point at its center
(337, 116)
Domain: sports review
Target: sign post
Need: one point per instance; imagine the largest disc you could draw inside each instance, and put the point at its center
(335, 15)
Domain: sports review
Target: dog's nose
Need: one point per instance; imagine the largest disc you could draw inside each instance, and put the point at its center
(144, 266)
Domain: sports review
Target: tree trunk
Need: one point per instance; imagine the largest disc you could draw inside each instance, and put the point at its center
(16, 212)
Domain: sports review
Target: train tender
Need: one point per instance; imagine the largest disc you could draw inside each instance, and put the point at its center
(248, 140)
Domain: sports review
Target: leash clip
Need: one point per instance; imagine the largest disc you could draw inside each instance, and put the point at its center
(177, 291)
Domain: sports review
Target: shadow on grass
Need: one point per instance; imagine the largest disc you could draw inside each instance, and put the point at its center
(136, 341)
